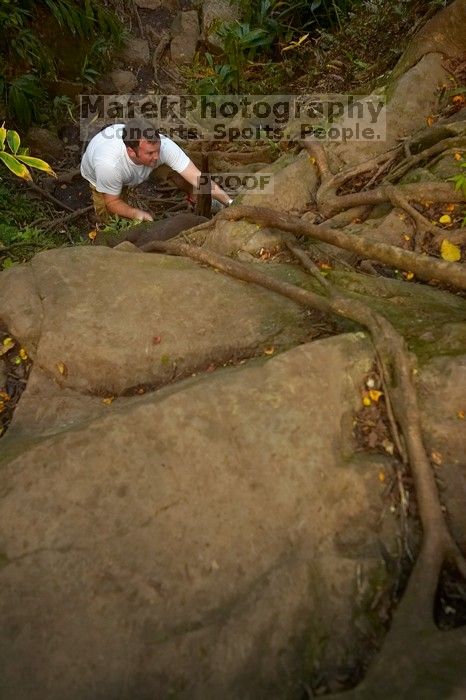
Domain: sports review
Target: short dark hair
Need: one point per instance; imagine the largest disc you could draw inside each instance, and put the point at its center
(137, 129)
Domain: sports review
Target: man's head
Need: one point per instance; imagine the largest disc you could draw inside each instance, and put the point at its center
(142, 141)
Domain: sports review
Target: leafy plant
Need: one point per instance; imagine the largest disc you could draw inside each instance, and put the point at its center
(17, 159)
(460, 180)
(27, 56)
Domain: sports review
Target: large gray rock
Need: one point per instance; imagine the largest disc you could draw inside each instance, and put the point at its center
(214, 13)
(43, 143)
(185, 35)
(116, 320)
(135, 52)
(124, 81)
(214, 541)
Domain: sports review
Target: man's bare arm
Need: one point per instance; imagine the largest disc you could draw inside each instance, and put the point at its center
(191, 174)
(115, 205)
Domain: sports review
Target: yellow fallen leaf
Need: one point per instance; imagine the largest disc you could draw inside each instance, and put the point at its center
(458, 156)
(375, 395)
(312, 159)
(366, 401)
(92, 234)
(7, 344)
(445, 219)
(406, 237)
(460, 415)
(450, 207)
(107, 401)
(381, 476)
(62, 368)
(408, 275)
(4, 396)
(269, 351)
(458, 99)
(430, 121)
(449, 251)
(436, 458)
(2, 406)
(23, 354)
(325, 266)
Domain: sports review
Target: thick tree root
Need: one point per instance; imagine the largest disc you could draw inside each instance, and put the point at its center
(424, 267)
(414, 615)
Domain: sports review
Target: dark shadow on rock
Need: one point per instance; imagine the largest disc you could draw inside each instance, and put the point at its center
(163, 229)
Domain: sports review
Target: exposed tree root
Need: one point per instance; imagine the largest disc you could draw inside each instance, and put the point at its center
(46, 195)
(424, 267)
(414, 615)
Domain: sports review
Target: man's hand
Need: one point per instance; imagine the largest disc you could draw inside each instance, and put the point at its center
(115, 205)
(141, 215)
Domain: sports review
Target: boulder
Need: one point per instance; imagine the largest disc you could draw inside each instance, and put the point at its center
(43, 143)
(194, 542)
(104, 322)
(124, 81)
(171, 5)
(185, 35)
(214, 13)
(135, 52)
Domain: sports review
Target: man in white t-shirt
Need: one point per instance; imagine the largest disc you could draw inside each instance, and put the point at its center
(124, 155)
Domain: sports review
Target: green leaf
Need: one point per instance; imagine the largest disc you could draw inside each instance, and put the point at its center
(2, 136)
(15, 166)
(37, 163)
(13, 140)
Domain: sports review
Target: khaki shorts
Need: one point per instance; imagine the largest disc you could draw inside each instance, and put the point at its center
(100, 208)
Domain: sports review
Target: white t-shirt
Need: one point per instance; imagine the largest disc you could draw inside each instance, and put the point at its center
(107, 166)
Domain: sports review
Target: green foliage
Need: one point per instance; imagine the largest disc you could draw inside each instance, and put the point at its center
(460, 180)
(20, 234)
(17, 160)
(28, 58)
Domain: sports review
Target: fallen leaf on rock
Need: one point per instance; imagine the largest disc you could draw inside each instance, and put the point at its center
(450, 207)
(436, 457)
(408, 275)
(269, 351)
(449, 251)
(375, 395)
(460, 415)
(7, 344)
(92, 234)
(445, 219)
(23, 354)
(156, 339)
(458, 156)
(366, 401)
(108, 400)
(388, 446)
(381, 476)
(430, 120)
(4, 396)
(62, 368)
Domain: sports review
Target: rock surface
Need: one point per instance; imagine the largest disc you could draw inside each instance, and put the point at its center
(135, 52)
(43, 143)
(214, 12)
(124, 80)
(185, 33)
(188, 541)
(67, 306)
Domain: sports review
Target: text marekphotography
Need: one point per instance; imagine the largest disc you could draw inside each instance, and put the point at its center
(233, 118)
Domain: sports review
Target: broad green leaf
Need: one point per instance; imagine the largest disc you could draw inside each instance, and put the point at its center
(37, 163)
(15, 166)
(2, 136)
(13, 140)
